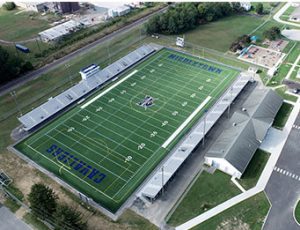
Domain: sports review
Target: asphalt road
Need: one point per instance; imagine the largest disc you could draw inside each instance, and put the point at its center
(8, 221)
(283, 188)
(35, 74)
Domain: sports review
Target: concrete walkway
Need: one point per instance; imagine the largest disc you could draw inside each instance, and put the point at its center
(274, 144)
(292, 68)
(280, 12)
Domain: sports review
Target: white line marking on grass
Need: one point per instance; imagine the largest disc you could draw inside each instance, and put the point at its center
(108, 89)
(184, 124)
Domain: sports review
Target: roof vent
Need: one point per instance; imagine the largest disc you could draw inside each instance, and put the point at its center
(233, 124)
(244, 109)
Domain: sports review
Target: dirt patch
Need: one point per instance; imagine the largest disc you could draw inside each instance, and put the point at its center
(233, 224)
(20, 213)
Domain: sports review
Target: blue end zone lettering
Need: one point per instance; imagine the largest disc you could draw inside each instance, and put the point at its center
(195, 63)
(76, 164)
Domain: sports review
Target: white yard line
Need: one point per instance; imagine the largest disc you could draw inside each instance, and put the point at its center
(108, 89)
(184, 124)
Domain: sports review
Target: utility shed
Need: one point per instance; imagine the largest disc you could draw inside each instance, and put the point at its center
(234, 148)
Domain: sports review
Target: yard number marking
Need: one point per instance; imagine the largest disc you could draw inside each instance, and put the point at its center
(193, 95)
(200, 87)
(153, 134)
(123, 91)
(85, 118)
(184, 103)
(143, 77)
(164, 123)
(141, 146)
(111, 100)
(133, 84)
(128, 158)
(99, 109)
(70, 129)
(175, 113)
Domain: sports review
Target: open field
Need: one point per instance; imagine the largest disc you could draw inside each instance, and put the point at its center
(220, 34)
(123, 133)
(248, 214)
(282, 115)
(13, 24)
(254, 169)
(207, 192)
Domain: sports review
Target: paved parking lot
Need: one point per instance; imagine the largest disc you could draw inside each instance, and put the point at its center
(8, 221)
(283, 188)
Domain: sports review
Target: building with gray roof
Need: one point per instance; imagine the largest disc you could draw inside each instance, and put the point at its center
(234, 148)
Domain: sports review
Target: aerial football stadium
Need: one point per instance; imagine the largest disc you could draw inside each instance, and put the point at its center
(106, 135)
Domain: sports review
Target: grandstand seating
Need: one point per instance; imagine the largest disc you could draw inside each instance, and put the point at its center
(73, 94)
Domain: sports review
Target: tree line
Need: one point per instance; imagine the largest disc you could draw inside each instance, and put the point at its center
(11, 66)
(185, 16)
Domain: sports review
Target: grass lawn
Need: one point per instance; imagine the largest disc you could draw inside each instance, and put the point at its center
(248, 214)
(286, 15)
(254, 169)
(16, 26)
(220, 34)
(207, 192)
(11, 204)
(282, 115)
(282, 92)
(34, 222)
(297, 212)
(292, 50)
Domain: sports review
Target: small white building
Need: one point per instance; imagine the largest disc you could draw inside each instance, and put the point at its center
(234, 148)
(119, 11)
(272, 71)
(57, 32)
(246, 5)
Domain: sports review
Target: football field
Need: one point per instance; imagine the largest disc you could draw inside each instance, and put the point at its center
(107, 145)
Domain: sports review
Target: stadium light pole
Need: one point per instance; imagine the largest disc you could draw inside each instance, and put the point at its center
(38, 45)
(204, 124)
(14, 96)
(162, 180)
(230, 101)
(69, 73)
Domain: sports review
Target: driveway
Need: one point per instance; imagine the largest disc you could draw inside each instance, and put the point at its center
(283, 188)
(8, 221)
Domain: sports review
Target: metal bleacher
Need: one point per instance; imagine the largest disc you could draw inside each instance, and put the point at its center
(73, 94)
(182, 151)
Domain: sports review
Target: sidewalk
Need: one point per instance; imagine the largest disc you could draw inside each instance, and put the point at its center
(274, 144)
(280, 12)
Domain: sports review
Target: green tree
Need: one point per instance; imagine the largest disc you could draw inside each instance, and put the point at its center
(9, 5)
(153, 25)
(172, 26)
(273, 33)
(10, 66)
(259, 8)
(67, 218)
(43, 201)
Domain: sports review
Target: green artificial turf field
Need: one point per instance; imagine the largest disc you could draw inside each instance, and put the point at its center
(107, 145)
